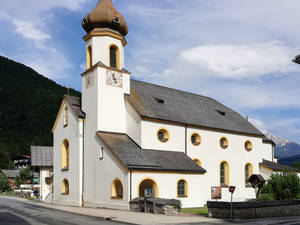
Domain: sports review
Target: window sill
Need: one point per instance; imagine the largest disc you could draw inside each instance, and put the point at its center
(224, 186)
(65, 193)
(182, 196)
(116, 198)
(65, 169)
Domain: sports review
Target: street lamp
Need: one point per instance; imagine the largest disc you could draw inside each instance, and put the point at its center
(297, 59)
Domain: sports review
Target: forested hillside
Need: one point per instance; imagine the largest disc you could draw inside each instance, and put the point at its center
(29, 103)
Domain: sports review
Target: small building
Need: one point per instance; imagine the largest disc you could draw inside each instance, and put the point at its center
(11, 175)
(42, 162)
(22, 161)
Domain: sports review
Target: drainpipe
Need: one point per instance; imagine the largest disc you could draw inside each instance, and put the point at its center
(185, 144)
(130, 185)
(82, 158)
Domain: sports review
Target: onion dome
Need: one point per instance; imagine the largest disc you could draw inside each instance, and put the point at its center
(105, 16)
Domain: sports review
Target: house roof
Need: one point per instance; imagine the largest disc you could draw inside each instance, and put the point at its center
(268, 140)
(276, 166)
(10, 173)
(75, 104)
(41, 156)
(158, 102)
(135, 158)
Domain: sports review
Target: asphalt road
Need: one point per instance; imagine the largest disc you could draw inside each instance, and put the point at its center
(21, 213)
(17, 212)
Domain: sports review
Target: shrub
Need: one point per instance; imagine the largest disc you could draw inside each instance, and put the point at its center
(4, 184)
(265, 197)
(284, 185)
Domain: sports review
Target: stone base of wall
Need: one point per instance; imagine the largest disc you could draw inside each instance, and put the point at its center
(160, 206)
(254, 209)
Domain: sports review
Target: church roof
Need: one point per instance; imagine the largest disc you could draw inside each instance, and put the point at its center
(41, 156)
(135, 158)
(105, 16)
(276, 166)
(10, 173)
(75, 104)
(162, 103)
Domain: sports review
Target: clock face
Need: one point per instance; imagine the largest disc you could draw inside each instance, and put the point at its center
(114, 78)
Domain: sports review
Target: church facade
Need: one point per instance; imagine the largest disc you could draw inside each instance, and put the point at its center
(124, 136)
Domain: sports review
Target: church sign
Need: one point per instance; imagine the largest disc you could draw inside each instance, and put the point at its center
(216, 192)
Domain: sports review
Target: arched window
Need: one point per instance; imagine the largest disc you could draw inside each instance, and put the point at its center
(117, 189)
(114, 56)
(89, 61)
(248, 173)
(181, 189)
(65, 187)
(198, 162)
(66, 116)
(224, 174)
(65, 155)
(148, 184)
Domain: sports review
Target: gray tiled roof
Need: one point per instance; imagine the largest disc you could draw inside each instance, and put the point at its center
(276, 166)
(187, 108)
(41, 156)
(10, 173)
(75, 103)
(133, 157)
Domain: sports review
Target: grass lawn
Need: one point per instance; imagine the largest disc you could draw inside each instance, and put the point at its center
(201, 211)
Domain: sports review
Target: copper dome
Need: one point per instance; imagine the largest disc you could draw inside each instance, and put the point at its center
(105, 16)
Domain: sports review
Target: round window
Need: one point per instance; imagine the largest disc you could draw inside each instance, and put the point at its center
(224, 143)
(196, 139)
(248, 146)
(163, 135)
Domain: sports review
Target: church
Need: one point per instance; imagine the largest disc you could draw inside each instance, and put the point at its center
(125, 136)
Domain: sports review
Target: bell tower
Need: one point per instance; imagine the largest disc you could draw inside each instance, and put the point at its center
(105, 80)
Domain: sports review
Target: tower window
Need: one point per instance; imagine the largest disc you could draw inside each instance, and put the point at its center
(224, 143)
(248, 146)
(113, 56)
(89, 62)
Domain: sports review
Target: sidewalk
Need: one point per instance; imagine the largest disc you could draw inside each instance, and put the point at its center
(130, 217)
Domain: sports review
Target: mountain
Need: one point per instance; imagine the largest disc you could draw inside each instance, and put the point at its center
(285, 150)
(29, 105)
(290, 160)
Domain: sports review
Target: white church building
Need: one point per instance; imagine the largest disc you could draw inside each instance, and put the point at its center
(124, 136)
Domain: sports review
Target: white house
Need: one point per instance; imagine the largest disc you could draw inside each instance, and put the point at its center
(124, 136)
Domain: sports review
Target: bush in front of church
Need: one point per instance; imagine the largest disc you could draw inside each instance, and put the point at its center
(4, 184)
(282, 186)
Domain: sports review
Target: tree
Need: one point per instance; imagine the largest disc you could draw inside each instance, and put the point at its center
(4, 183)
(24, 175)
(296, 165)
(284, 185)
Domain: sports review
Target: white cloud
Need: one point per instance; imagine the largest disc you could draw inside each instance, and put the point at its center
(28, 31)
(239, 61)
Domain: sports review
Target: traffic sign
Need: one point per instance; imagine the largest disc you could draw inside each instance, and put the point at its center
(231, 189)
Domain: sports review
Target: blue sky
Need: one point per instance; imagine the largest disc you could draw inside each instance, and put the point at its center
(238, 52)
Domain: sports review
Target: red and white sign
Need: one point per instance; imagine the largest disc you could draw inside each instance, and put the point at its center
(231, 189)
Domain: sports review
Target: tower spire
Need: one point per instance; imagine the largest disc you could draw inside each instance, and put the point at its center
(105, 15)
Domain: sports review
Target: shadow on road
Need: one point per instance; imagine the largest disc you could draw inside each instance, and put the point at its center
(8, 218)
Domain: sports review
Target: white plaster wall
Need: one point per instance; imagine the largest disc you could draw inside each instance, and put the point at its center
(198, 189)
(99, 175)
(111, 103)
(133, 124)
(45, 189)
(149, 138)
(100, 49)
(71, 133)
